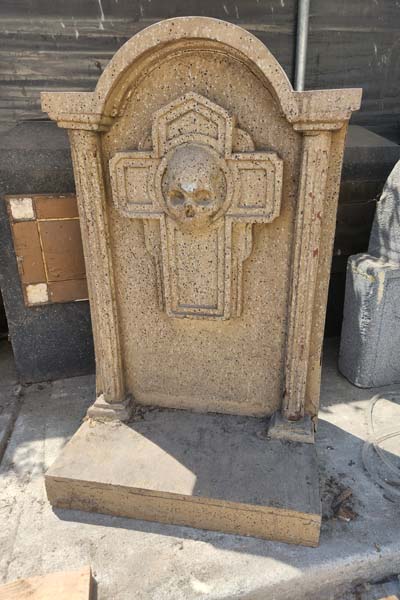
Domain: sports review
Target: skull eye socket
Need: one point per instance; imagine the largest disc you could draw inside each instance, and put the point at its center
(203, 197)
(176, 197)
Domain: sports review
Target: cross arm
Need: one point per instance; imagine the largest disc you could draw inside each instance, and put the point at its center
(257, 186)
(132, 183)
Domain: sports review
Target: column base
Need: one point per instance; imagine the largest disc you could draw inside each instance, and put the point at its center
(281, 428)
(111, 411)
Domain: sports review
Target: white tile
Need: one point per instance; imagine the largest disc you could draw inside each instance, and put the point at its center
(37, 293)
(22, 209)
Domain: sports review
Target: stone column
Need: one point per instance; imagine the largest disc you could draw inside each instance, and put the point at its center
(111, 402)
(290, 422)
(312, 186)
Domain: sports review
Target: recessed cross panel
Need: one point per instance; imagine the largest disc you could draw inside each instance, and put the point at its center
(132, 176)
(204, 198)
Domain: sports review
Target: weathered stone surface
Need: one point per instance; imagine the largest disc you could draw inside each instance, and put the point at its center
(370, 332)
(207, 194)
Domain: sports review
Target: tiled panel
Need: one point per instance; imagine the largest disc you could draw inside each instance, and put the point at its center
(48, 247)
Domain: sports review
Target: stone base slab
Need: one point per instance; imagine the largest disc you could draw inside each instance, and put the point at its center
(215, 472)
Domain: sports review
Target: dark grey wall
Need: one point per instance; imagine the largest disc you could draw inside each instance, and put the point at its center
(59, 44)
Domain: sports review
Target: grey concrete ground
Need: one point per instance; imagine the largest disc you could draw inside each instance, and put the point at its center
(135, 560)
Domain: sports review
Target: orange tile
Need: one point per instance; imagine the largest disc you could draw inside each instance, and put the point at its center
(68, 291)
(56, 207)
(28, 252)
(62, 249)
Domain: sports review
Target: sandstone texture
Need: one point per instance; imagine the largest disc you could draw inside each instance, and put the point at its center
(207, 191)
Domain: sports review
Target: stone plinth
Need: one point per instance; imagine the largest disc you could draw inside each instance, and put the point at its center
(213, 471)
(207, 191)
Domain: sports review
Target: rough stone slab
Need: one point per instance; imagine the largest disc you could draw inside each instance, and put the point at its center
(68, 585)
(206, 471)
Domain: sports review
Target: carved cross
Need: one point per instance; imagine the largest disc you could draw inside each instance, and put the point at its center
(198, 192)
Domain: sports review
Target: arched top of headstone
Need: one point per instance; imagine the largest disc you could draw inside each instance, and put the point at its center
(326, 109)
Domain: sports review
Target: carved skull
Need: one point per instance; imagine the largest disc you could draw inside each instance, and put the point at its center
(193, 185)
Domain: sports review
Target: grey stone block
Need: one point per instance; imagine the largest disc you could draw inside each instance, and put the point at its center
(369, 349)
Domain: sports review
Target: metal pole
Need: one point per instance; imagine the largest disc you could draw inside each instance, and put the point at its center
(301, 43)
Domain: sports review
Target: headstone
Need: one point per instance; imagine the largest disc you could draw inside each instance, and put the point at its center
(371, 332)
(207, 190)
